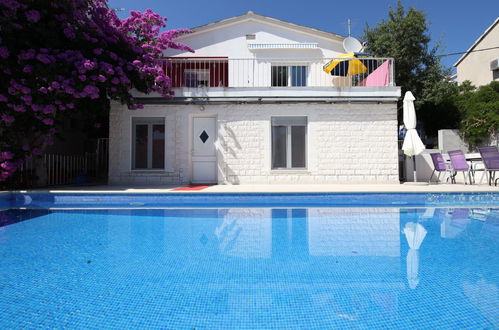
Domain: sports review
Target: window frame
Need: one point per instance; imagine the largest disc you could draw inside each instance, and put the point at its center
(289, 146)
(289, 69)
(150, 121)
(197, 73)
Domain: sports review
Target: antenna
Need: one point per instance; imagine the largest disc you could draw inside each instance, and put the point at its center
(350, 44)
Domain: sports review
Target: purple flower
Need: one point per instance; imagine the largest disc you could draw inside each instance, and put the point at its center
(89, 89)
(19, 108)
(44, 58)
(27, 99)
(37, 107)
(48, 121)
(7, 118)
(33, 15)
(5, 155)
(89, 65)
(3, 98)
(97, 51)
(55, 85)
(14, 5)
(43, 90)
(101, 78)
(115, 81)
(4, 52)
(9, 166)
(48, 109)
(69, 33)
(27, 55)
(27, 69)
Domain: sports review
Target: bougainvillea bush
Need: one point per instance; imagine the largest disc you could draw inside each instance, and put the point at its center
(56, 55)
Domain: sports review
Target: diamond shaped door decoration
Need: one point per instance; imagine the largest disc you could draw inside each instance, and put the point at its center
(203, 239)
(204, 136)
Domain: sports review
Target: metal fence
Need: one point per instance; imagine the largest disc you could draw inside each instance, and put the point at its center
(59, 169)
(193, 73)
(69, 169)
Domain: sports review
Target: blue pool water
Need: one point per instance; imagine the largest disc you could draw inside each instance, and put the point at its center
(251, 267)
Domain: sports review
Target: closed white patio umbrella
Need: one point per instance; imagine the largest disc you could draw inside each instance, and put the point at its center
(415, 234)
(413, 145)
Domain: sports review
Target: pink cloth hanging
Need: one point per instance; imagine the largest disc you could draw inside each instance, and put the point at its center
(379, 77)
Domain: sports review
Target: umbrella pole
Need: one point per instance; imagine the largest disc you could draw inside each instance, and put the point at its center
(414, 166)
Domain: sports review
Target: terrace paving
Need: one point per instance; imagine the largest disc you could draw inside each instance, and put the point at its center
(406, 187)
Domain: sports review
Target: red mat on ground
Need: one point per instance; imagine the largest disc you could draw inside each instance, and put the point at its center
(192, 187)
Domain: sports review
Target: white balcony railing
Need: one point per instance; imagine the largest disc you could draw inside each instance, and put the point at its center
(195, 73)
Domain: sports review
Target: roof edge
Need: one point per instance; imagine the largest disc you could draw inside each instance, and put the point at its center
(266, 19)
(477, 41)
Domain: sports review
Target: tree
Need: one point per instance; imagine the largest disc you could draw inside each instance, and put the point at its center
(56, 55)
(404, 36)
(480, 113)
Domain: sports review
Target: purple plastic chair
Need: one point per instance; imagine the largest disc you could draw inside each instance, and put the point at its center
(490, 158)
(459, 164)
(439, 166)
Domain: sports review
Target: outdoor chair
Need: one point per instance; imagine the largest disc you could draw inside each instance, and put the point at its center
(490, 158)
(459, 164)
(439, 166)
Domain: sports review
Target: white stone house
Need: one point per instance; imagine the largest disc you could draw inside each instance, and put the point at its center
(253, 105)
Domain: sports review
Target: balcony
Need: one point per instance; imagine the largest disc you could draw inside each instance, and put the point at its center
(270, 78)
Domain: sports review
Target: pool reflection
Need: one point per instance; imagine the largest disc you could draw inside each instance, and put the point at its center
(355, 266)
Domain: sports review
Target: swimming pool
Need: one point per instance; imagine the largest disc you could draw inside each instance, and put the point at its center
(281, 260)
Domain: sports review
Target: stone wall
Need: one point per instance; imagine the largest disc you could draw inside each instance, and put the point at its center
(346, 143)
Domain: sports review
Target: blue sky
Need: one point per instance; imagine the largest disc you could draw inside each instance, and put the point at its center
(456, 23)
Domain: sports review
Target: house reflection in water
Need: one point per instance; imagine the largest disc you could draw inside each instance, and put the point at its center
(316, 232)
(341, 262)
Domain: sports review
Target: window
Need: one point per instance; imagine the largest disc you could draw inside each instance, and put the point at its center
(148, 148)
(294, 75)
(197, 78)
(288, 142)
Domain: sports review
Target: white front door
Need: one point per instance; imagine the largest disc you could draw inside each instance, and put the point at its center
(204, 157)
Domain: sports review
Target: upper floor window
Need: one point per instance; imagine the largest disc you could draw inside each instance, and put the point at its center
(148, 149)
(197, 78)
(289, 75)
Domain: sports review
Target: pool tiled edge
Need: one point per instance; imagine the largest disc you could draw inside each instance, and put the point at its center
(156, 200)
(6, 198)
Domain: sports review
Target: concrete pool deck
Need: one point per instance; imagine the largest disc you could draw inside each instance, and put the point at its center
(297, 188)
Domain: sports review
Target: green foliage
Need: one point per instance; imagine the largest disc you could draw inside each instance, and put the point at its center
(479, 111)
(405, 37)
(438, 110)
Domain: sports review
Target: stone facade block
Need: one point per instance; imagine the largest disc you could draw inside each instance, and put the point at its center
(353, 143)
